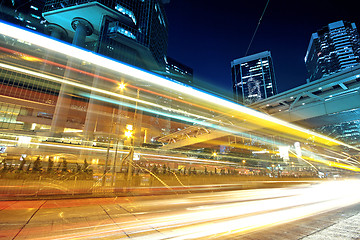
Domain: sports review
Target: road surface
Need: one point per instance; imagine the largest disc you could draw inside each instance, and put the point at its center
(245, 214)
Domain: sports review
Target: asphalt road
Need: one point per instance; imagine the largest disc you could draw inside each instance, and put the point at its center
(327, 210)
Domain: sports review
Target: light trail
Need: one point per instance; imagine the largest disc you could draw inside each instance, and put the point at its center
(82, 86)
(104, 150)
(179, 117)
(144, 76)
(32, 58)
(218, 215)
(182, 117)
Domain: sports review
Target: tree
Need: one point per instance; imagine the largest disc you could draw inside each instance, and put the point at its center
(50, 164)
(4, 165)
(78, 168)
(28, 167)
(37, 165)
(22, 164)
(164, 169)
(64, 163)
(154, 170)
(85, 166)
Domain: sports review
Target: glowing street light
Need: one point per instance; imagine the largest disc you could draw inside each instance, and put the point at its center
(122, 86)
(129, 132)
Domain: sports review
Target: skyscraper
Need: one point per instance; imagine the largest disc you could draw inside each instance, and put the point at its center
(253, 78)
(131, 31)
(24, 13)
(332, 49)
(178, 71)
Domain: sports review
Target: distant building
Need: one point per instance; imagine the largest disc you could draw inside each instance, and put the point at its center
(253, 78)
(329, 105)
(178, 71)
(348, 132)
(331, 49)
(27, 14)
(134, 32)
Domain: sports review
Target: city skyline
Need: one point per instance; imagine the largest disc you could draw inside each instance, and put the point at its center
(202, 35)
(93, 145)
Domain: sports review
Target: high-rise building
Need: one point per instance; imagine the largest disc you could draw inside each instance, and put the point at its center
(131, 31)
(331, 49)
(24, 13)
(178, 71)
(253, 78)
(348, 132)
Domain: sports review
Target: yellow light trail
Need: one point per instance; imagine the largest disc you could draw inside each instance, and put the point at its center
(93, 89)
(91, 57)
(213, 215)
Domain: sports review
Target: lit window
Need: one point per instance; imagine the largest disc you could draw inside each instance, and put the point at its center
(122, 31)
(31, 27)
(126, 12)
(35, 16)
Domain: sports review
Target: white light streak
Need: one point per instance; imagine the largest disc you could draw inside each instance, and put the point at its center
(91, 57)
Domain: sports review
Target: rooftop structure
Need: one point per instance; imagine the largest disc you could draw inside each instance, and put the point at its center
(253, 78)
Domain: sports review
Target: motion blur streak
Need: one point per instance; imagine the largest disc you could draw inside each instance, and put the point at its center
(191, 216)
(32, 58)
(166, 158)
(144, 76)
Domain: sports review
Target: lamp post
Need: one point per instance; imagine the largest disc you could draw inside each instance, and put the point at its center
(108, 149)
(129, 135)
(121, 87)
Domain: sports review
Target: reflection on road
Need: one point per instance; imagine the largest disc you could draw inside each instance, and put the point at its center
(188, 216)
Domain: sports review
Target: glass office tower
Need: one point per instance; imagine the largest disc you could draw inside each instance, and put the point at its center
(178, 71)
(27, 14)
(131, 31)
(331, 49)
(253, 78)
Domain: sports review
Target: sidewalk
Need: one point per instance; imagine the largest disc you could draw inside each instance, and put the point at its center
(345, 229)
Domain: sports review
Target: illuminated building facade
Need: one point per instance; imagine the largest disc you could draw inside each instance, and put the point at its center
(24, 13)
(178, 71)
(131, 31)
(253, 78)
(348, 132)
(331, 49)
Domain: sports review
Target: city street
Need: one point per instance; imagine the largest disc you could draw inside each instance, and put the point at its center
(166, 120)
(304, 211)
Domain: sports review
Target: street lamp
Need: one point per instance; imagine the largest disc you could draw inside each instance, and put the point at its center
(122, 86)
(129, 135)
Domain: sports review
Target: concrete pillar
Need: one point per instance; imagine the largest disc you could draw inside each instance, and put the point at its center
(56, 31)
(82, 29)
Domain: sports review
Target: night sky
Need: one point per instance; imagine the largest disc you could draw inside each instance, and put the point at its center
(208, 35)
